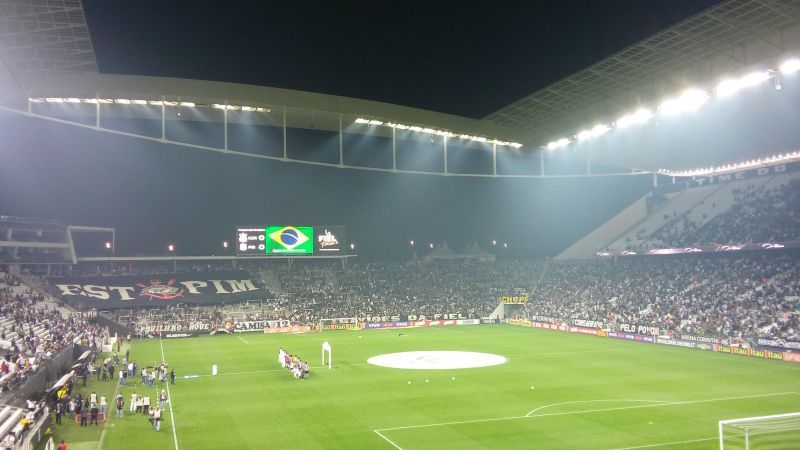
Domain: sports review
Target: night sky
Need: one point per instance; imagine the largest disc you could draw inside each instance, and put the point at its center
(458, 57)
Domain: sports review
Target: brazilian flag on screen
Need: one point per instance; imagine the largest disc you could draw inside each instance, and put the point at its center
(289, 240)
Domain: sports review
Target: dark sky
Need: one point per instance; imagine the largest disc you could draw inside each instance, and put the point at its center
(462, 57)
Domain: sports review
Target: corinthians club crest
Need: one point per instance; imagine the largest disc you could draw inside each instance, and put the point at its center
(161, 291)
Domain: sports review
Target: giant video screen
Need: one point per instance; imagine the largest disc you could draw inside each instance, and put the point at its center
(291, 240)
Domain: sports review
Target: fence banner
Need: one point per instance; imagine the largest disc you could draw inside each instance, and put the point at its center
(105, 293)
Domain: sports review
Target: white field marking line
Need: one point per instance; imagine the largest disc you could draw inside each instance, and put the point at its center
(108, 417)
(169, 396)
(610, 400)
(569, 413)
(664, 444)
(240, 338)
(388, 440)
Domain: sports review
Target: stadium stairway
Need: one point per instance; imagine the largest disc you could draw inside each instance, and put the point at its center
(608, 232)
(273, 281)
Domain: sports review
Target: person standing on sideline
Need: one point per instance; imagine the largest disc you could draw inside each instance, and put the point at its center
(134, 397)
(146, 404)
(94, 412)
(84, 413)
(103, 404)
(59, 412)
(120, 405)
(162, 398)
(172, 376)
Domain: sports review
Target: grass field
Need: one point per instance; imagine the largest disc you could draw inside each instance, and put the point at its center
(589, 393)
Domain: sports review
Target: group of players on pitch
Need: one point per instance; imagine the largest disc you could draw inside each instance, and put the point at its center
(297, 366)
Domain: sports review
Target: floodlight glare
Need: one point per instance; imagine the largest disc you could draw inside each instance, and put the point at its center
(139, 102)
(54, 100)
(188, 104)
(689, 100)
(754, 78)
(790, 66)
(122, 101)
(585, 134)
(72, 100)
(563, 142)
(362, 120)
(726, 88)
(599, 130)
(641, 115)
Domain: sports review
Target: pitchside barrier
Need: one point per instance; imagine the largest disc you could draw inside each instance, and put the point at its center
(721, 345)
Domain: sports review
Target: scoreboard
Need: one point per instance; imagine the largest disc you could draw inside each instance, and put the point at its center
(291, 240)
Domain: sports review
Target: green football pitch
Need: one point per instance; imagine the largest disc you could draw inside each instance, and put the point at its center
(556, 390)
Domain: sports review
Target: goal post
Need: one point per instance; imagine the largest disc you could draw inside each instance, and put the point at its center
(776, 431)
(326, 348)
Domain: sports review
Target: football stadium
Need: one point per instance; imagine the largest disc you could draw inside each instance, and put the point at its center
(595, 249)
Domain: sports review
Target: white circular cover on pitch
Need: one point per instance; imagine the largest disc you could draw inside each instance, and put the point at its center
(436, 360)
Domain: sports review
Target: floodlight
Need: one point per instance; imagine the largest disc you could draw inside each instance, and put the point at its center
(790, 66)
(122, 101)
(600, 129)
(375, 122)
(641, 115)
(689, 100)
(415, 128)
(585, 134)
(362, 120)
(72, 100)
(188, 104)
(754, 78)
(139, 102)
(54, 100)
(728, 87)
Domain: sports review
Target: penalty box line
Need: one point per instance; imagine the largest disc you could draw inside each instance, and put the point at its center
(381, 431)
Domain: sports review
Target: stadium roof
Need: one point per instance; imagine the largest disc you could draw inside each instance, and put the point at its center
(42, 40)
(728, 37)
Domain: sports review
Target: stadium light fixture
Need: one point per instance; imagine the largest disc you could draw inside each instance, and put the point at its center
(433, 131)
(352, 246)
(728, 87)
(224, 244)
(790, 66)
(689, 100)
(411, 242)
(754, 78)
(563, 142)
(583, 135)
(108, 245)
(599, 130)
(753, 163)
(72, 100)
(171, 248)
(188, 104)
(54, 100)
(122, 101)
(641, 115)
